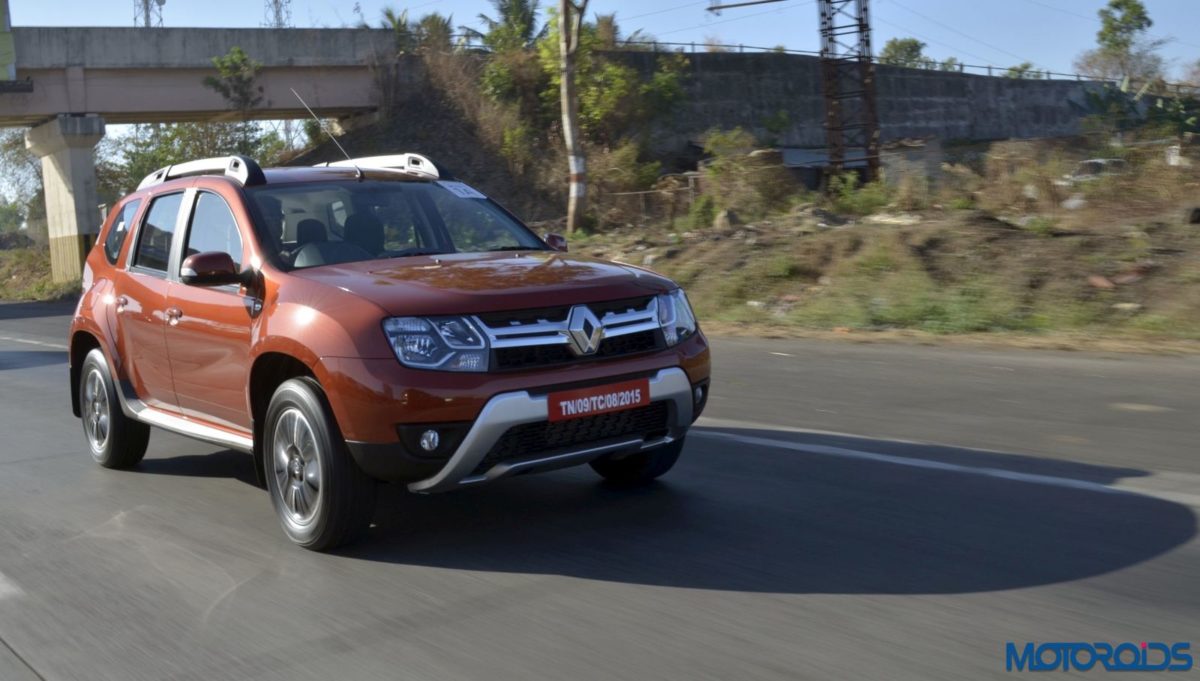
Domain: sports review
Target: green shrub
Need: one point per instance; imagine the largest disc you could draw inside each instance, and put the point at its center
(848, 197)
(751, 185)
(703, 212)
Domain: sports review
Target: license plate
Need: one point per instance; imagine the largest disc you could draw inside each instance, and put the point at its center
(600, 399)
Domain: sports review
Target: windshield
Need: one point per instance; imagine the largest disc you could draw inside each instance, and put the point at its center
(314, 224)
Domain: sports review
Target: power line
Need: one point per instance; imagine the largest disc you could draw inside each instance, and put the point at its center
(955, 30)
(744, 16)
(1096, 19)
(663, 11)
(987, 62)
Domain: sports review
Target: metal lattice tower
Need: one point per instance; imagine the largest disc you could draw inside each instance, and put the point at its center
(848, 83)
(148, 13)
(278, 14)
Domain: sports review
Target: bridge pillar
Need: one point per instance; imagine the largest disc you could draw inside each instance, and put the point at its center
(65, 144)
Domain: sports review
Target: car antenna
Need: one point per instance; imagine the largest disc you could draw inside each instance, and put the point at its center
(330, 134)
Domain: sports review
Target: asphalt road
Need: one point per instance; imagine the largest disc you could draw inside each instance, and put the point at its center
(842, 512)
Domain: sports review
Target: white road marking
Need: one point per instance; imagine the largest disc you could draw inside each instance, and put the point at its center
(1175, 487)
(8, 588)
(56, 346)
(782, 354)
(1134, 406)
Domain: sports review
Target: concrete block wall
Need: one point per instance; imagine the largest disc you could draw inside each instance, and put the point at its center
(731, 89)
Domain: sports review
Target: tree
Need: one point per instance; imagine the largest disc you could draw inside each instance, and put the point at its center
(434, 32)
(1022, 70)
(608, 34)
(403, 33)
(1122, 24)
(12, 216)
(906, 52)
(236, 82)
(1124, 51)
(515, 26)
(570, 21)
(950, 64)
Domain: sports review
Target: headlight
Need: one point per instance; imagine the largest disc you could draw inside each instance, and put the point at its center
(675, 316)
(442, 343)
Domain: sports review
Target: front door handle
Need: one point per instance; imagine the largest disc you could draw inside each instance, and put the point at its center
(173, 315)
(122, 301)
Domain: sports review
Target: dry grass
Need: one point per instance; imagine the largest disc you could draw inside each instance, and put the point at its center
(25, 275)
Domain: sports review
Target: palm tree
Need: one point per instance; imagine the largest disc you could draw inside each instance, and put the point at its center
(516, 26)
(402, 30)
(434, 32)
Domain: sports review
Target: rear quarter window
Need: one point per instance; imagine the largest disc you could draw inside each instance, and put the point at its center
(119, 230)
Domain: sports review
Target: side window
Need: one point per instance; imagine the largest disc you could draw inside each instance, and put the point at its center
(213, 229)
(154, 240)
(120, 229)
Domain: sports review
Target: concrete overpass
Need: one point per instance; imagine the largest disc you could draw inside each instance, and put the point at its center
(84, 78)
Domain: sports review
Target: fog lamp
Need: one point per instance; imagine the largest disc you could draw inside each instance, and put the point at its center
(429, 440)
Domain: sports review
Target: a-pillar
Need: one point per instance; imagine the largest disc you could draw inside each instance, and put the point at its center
(66, 144)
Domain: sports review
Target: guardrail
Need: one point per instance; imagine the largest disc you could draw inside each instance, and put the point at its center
(1178, 89)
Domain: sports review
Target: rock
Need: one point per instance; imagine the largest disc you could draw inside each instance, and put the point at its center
(1074, 202)
(1100, 282)
(1128, 307)
(726, 219)
(1192, 217)
(893, 219)
(825, 280)
(691, 235)
(670, 253)
(649, 260)
(757, 304)
(791, 298)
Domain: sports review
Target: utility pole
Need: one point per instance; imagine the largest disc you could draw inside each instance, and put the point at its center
(148, 13)
(278, 14)
(847, 80)
(570, 20)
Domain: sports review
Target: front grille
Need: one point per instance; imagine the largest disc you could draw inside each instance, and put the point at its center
(530, 439)
(529, 339)
(534, 356)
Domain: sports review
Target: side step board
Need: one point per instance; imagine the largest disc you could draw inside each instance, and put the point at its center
(134, 408)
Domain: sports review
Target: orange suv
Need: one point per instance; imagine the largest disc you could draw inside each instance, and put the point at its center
(372, 320)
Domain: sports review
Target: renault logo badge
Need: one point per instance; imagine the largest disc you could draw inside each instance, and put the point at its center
(584, 331)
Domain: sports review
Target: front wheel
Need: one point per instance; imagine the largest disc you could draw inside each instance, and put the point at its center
(640, 468)
(115, 440)
(321, 496)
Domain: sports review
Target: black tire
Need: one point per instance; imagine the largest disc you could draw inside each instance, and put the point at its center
(640, 468)
(322, 498)
(115, 440)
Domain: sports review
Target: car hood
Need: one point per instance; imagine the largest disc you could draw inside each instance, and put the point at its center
(469, 283)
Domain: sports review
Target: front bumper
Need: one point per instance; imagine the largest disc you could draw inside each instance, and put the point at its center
(510, 409)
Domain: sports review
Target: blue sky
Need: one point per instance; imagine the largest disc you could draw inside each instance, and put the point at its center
(1049, 33)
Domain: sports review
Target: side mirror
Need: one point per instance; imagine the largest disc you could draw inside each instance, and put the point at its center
(209, 269)
(556, 241)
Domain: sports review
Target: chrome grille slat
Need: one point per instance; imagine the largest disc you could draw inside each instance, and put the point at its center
(545, 332)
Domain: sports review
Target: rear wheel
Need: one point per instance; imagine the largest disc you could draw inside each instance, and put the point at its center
(640, 468)
(321, 496)
(115, 440)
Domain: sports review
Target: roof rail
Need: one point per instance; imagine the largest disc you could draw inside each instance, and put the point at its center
(241, 169)
(410, 163)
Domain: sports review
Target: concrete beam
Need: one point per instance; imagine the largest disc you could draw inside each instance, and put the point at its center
(65, 145)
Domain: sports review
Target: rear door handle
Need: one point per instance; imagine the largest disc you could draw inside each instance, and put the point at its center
(173, 315)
